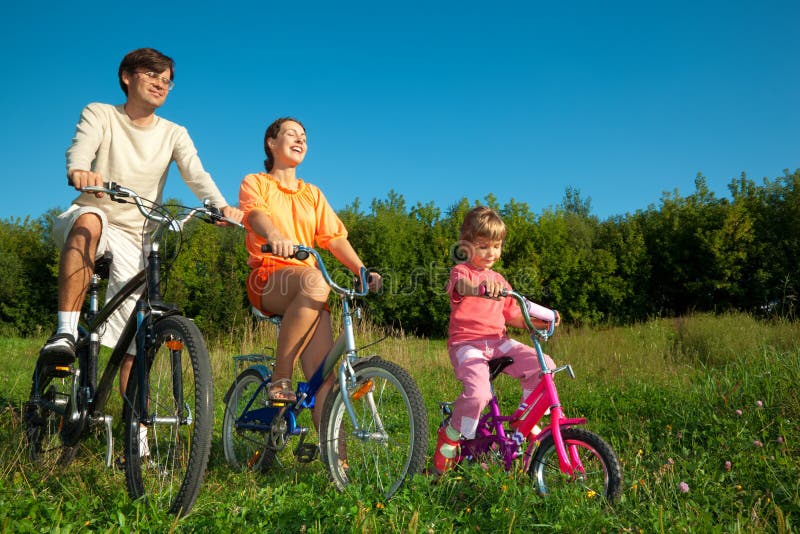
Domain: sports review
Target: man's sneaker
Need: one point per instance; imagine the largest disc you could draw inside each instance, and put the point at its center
(58, 350)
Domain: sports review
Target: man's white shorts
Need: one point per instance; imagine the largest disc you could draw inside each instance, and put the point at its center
(128, 260)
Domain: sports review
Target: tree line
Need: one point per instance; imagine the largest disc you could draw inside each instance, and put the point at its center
(699, 252)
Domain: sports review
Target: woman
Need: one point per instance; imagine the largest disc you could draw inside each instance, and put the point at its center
(283, 210)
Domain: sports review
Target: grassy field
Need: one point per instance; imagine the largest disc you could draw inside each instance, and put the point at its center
(703, 411)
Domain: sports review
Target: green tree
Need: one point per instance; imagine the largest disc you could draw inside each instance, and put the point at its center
(28, 275)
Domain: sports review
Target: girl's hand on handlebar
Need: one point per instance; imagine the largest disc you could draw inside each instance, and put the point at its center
(545, 325)
(80, 179)
(491, 289)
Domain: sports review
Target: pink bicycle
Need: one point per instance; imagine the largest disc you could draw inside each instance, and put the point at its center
(559, 455)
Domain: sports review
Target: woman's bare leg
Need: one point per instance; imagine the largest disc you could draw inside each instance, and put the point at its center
(299, 294)
(314, 353)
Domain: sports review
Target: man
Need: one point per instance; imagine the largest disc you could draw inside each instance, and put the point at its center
(131, 145)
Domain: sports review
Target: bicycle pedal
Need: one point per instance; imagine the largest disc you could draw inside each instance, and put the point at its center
(279, 403)
(60, 371)
(306, 453)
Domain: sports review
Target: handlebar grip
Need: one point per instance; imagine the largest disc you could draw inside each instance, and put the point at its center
(540, 312)
(301, 255)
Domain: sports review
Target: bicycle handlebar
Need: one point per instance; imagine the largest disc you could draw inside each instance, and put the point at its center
(118, 193)
(301, 252)
(523, 305)
(522, 301)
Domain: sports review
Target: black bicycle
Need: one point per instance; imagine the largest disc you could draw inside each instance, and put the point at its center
(168, 402)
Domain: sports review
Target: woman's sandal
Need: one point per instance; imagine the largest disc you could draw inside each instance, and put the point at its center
(280, 391)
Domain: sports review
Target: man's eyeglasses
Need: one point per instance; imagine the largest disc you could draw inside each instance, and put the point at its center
(156, 78)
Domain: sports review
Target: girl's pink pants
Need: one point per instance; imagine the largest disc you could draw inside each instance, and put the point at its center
(470, 360)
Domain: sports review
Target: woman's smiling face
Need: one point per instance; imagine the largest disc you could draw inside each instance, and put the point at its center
(289, 148)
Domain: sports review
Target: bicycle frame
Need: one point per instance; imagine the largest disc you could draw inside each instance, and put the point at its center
(344, 345)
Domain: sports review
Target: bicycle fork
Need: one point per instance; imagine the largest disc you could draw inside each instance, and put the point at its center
(349, 386)
(531, 411)
(145, 337)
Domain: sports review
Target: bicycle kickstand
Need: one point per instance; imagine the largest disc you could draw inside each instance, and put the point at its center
(107, 422)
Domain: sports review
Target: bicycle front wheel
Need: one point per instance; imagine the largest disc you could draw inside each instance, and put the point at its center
(391, 437)
(167, 444)
(601, 476)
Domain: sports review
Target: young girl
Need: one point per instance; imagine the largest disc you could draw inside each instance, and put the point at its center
(477, 332)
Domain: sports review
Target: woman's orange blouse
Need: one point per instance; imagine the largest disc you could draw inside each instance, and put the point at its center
(302, 216)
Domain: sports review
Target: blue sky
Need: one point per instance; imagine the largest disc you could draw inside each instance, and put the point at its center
(435, 100)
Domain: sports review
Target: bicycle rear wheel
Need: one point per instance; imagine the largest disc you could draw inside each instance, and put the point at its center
(392, 436)
(602, 473)
(43, 424)
(167, 464)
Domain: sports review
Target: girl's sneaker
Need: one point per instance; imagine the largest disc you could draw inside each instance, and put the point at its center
(446, 450)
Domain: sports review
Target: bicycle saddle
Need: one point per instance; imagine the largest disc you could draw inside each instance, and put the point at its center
(496, 366)
(103, 264)
(258, 315)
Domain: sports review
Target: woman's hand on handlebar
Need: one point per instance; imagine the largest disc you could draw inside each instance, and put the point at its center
(80, 179)
(374, 281)
(281, 246)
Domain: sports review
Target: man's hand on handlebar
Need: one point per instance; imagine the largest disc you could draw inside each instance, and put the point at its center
(80, 179)
(231, 212)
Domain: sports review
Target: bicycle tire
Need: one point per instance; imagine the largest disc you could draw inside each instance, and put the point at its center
(245, 449)
(603, 474)
(42, 425)
(373, 463)
(171, 475)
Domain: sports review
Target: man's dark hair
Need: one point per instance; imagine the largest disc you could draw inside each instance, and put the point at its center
(145, 60)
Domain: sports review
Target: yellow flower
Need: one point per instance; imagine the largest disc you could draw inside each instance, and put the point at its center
(379, 505)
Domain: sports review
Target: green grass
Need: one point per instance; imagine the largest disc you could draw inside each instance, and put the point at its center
(677, 399)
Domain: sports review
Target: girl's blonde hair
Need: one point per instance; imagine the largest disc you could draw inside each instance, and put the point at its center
(482, 222)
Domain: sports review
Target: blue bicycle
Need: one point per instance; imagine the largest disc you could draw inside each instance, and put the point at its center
(374, 427)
